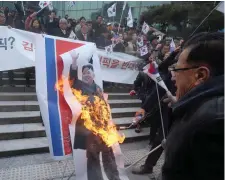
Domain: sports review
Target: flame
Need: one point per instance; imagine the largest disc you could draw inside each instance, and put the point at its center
(96, 115)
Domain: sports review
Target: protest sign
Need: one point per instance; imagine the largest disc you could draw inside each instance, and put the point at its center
(17, 49)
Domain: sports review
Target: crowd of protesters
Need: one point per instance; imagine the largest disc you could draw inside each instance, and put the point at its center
(97, 31)
(193, 115)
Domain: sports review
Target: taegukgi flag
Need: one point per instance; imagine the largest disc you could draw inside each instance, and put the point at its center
(69, 90)
(152, 71)
(112, 10)
(145, 28)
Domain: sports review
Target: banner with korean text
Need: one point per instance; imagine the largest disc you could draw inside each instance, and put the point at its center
(17, 49)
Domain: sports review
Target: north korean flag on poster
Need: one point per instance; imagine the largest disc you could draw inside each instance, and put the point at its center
(67, 72)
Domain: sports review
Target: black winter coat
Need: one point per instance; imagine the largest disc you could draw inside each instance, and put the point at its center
(195, 145)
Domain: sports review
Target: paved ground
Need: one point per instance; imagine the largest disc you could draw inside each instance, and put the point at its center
(42, 167)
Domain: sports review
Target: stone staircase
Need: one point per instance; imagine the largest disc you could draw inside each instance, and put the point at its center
(21, 130)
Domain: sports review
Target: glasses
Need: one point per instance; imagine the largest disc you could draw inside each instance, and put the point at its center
(182, 69)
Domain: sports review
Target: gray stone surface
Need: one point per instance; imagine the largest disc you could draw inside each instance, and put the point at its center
(124, 101)
(19, 114)
(42, 167)
(18, 144)
(124, 110)
(18, 94)
(18, 103)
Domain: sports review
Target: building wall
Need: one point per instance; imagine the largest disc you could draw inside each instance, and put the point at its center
(87, 8)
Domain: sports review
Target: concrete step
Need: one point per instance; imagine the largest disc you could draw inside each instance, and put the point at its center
(34, 116)
(26, 95)
(20, 117)
(17, 75)
(18, 96)
(123, 112)
(17, 88)
(40, 144)
(21, 131)
(121, 96)
(124, 103)
(12, 106)
(17, 81)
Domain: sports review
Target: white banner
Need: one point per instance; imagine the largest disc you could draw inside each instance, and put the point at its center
(17, 49)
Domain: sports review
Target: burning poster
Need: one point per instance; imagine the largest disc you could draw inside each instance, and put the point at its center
(78, 121)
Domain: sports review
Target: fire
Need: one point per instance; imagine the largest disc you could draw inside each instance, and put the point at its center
(96, 115)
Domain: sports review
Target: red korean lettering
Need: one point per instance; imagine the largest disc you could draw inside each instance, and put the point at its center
(27, 46)
(114, 63)
(125, 65)
(106, 62)
(131, 65)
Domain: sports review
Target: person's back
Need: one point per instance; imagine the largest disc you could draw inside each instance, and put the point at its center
(195, 145)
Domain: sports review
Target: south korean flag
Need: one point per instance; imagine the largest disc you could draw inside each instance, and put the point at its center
(143, 50)
(109, 49)
(140, 41)
(43, 4)
(145, 28)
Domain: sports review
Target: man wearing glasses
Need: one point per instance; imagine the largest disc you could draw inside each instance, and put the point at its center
(195, 145)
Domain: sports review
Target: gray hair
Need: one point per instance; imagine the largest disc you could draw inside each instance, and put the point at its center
(63, 20)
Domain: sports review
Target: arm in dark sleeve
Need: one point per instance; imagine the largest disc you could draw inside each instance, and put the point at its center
(73, 74)
(152, 99)
(138, 82)
(168, 62)
(19, 9)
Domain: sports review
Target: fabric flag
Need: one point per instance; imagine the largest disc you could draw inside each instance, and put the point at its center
(172, 46)
(72, 35)
(152, 71)
(50, 6)
(140, 41)
(112, 10)
(124, 5)
(130, 19)
(109, 49)
(143, 50)
(220, 7)
(145, 28)
(67, 72)
(71, 3)
(43, 4)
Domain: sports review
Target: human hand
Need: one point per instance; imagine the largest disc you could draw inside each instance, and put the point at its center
(74, 56)
(177, 49)
(140, 112)
(170, 100)
(132, 92)
(33, 15)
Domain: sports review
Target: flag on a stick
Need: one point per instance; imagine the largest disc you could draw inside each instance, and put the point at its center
(112, 10)
(220, 7)
(124, 5)
(130, 18)
(145, 28)
(172, 46)
(152, 71)
(71, 3)
(143, 50)
(109, 49)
